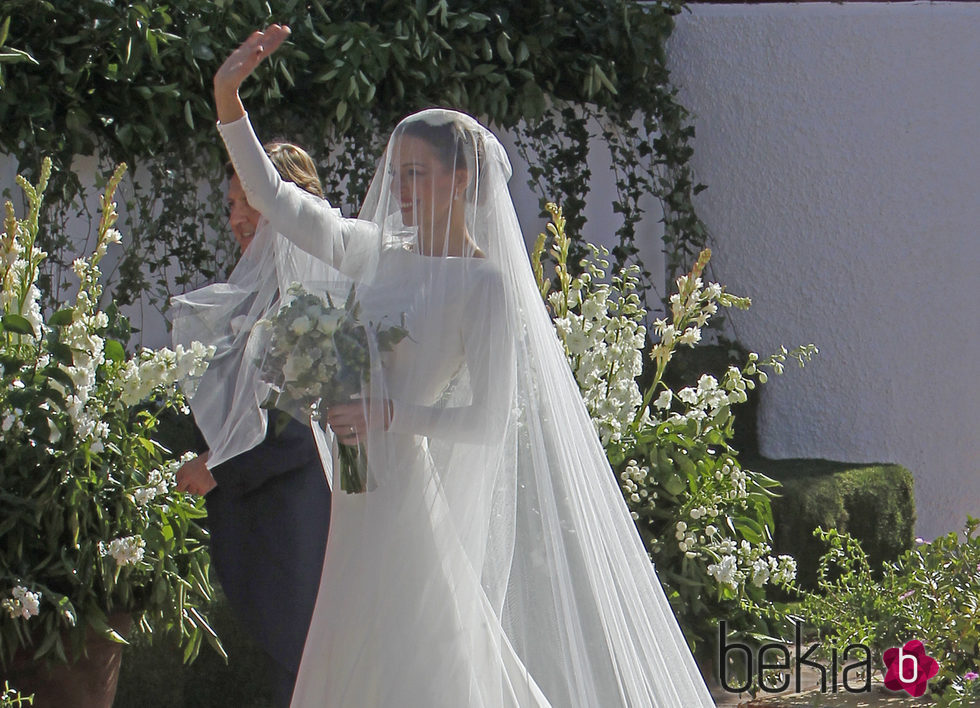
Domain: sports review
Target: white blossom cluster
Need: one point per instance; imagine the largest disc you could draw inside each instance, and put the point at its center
(634, 482)
(163, 368)
(601, 327)
(22, 603)
(160, 481)
(741, 562)
(690, 307)
(20, 293)
(126, 550)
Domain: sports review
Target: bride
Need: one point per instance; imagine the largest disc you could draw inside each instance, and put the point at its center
(491, 560)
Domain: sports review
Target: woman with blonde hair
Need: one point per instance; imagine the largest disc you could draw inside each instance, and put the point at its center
(266, 496)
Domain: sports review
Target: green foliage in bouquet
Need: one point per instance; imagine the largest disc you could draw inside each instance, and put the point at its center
(931, 593)
(91, 525)
(705, 520)
(318, 354)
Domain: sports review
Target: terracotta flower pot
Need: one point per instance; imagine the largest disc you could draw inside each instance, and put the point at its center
(90, 682)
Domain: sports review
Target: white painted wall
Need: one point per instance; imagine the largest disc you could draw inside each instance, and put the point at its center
(841, 149)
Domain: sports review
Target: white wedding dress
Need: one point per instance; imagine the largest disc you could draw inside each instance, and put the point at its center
(491, 561)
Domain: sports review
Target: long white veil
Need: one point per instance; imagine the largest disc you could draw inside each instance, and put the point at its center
(491, 560)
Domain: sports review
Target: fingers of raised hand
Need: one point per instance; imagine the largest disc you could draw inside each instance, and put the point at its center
(265, 42)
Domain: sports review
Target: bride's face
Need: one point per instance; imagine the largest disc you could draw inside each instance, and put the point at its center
(424, 184)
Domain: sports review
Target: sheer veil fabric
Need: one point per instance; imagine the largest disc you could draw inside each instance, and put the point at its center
(492, 560)
(227, 404)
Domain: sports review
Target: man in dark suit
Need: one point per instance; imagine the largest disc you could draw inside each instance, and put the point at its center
(269, 507)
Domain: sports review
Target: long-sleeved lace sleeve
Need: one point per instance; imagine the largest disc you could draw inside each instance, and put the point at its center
(488, 346)
(306, 220)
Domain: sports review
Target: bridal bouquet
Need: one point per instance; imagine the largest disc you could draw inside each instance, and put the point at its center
(318, 354)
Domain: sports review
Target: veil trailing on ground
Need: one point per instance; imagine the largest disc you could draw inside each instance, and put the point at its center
(489, 558)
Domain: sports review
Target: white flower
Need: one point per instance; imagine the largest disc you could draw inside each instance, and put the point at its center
(664, 399)
(724, 572)
(690, 336)
(301, 325)
(125, 550)
(688, 395)
(785, 570)
(296, 365)
(23, 603)
(144, 495)
(578, 341)
(760, 572)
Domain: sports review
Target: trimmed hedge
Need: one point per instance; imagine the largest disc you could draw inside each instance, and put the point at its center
(872, 502)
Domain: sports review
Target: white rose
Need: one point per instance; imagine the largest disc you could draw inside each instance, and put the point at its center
(301, 325)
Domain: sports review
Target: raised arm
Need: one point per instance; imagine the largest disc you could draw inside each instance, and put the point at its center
(309, 222)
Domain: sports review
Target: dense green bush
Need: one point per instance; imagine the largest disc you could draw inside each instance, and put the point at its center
(132, 82)
(705, 519)
(872, 503)
(931, 594)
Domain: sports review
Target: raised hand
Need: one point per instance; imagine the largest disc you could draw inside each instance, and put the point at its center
(239, 64)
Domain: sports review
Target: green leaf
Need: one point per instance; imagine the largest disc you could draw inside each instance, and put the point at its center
(62, 317)
(15, 56)
(114, 351)
(17, 324)
(62, 353)
(503, 49)
(10, 363)
(97, 621)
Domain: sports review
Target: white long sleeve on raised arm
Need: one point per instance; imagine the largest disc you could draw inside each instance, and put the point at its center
(305, 219)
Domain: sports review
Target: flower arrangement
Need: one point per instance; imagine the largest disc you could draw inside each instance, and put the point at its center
(92, 525)
(706, 521)
(318, 353)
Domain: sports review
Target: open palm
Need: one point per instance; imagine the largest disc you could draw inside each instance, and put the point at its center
(242, 62)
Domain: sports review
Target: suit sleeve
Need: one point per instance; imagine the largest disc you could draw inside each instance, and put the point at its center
(277, 454)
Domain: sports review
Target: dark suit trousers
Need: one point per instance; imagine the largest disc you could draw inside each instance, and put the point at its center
(268, 518)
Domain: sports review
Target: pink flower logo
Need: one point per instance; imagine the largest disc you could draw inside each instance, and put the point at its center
(909, 668)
